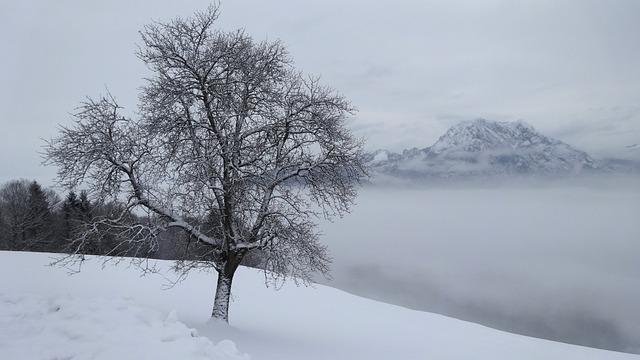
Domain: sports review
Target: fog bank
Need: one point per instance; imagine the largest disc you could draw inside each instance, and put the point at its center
(556, 261)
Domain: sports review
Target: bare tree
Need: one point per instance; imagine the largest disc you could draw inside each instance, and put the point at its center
(226, 127)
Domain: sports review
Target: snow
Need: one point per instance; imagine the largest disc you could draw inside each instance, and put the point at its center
(64, 327)
(114, 313)
(381, 156)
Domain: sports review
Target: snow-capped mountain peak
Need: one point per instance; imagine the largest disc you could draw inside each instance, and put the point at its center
(482, 134)
(486, 148)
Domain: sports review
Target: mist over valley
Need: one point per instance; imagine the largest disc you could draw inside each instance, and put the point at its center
(551, 259)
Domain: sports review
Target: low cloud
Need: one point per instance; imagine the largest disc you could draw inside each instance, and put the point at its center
(557, 262)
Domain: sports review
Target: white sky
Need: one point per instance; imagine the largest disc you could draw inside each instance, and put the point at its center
(570, 68)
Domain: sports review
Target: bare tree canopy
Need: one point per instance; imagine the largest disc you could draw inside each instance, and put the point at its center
(231, 145)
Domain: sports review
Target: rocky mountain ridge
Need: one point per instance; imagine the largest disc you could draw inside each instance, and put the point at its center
(483, 148)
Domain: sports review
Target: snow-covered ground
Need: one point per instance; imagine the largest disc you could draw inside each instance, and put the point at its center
(114, 313)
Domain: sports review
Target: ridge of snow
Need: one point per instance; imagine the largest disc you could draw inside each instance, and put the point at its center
(482, 134)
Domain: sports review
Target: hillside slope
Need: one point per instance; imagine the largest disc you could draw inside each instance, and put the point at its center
(292, 323)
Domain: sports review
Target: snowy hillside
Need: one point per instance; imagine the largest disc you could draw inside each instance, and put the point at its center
(113, 313)
(486, 148)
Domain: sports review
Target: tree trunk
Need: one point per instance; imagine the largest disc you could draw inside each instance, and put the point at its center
(223, 295)
(223, 289)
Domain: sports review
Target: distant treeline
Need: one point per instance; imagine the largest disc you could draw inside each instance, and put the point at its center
(34, 218)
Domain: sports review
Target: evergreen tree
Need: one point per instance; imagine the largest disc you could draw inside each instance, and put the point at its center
(69, 207)
(84, 206)
(76, 213)
(39, 227)
(3, 231)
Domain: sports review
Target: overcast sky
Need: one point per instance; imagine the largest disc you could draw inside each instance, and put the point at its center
(412, 68)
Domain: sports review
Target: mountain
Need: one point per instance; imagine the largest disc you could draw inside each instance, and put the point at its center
(483, 148)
